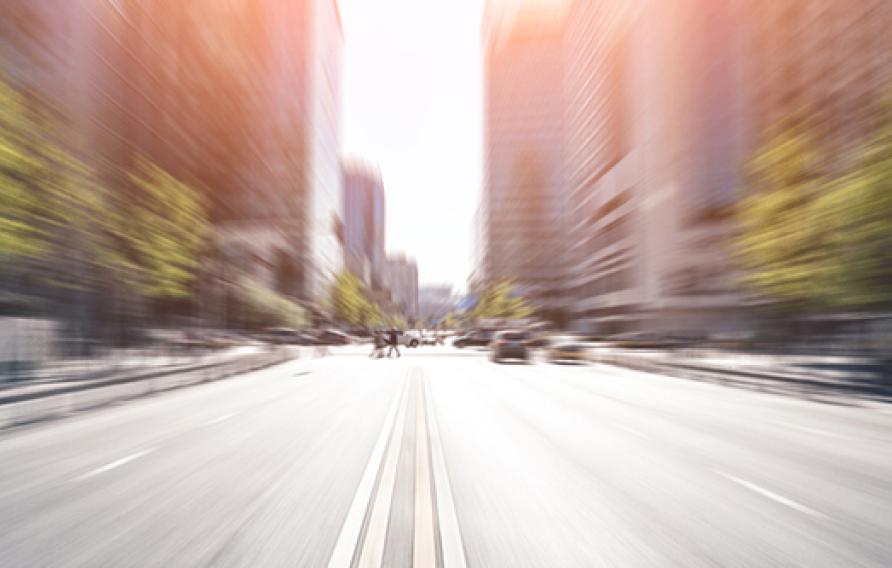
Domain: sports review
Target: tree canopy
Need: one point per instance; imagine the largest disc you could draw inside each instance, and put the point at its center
(498, 301)
(819, 240)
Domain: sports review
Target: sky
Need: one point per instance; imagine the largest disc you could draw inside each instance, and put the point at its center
(412, 105)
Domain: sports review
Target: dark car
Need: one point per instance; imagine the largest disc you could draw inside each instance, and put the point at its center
(510, 345)
(332, 337)
(477, 338)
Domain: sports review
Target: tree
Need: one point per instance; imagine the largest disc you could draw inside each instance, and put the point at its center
(51, 204)
(159, 229)
(369, 314)
(350, 303)
(261, 307)
(815, 241)
(449, 321)
(499, 301)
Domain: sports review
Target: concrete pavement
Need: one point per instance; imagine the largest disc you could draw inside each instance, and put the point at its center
(443, 458)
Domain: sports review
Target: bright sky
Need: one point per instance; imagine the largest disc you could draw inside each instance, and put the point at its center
(412, 89)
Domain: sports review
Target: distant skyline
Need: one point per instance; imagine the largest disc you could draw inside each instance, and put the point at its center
(412, 104)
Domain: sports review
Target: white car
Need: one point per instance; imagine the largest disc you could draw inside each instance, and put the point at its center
(411, 338)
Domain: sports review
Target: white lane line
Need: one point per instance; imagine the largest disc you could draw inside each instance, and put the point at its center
(450, 534)
(342, 556)
(814, 431)
(114, 464)
(219, 419)
(773, 496)
(372, 553)
(425, 546)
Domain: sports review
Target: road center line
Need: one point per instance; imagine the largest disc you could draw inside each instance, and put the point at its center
(425, 546)
(372, 553)
(773, 496)
(114, 464)
(450, 535)
(348, 539)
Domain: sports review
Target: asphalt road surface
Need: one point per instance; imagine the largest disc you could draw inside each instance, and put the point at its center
(442, 458)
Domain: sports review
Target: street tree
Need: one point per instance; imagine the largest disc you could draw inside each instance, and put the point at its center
(159, 229)
(498, 300)
(813, 240)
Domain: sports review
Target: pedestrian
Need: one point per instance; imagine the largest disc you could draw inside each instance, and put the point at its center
(377, 345)
(393, 344)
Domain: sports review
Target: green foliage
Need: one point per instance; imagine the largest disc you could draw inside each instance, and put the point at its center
(60, 224)
(449, 321)
(52, 209)
(350, 303)
(497, 301)
(261, 307)
(395, 321)
(816, 241)
(160, 232)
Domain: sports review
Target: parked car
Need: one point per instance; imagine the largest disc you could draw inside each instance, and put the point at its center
(477, 338)
(332, 337)
(510, 345)
(411, 338)
(567, 351)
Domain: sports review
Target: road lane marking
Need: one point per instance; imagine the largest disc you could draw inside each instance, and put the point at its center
(114, 464)
(372, 553)
(219, 419)
(816, 431)
(451, 545)
(348, 539)
(773, 496)
(424, 551)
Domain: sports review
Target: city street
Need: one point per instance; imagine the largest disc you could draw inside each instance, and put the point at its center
(442, 458)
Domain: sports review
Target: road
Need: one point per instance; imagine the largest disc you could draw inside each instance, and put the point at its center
(443, 458)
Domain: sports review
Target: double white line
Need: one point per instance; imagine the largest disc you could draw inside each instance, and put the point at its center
(364, 532)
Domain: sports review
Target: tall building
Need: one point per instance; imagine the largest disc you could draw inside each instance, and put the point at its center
(401, 278)
(364, 222)
(665, 103)
(435, 301)
(826, 62)
(295, 235)
(658, 130)
(523, 196)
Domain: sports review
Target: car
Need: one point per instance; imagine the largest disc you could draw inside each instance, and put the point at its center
(477, 338)
(412, 338)
(567, 351)
(332, 337)
(509, 345)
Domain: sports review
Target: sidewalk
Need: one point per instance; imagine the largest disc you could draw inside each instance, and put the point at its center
(25, 403)
(813, 376)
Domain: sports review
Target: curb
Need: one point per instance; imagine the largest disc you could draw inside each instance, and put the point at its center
(28, 408)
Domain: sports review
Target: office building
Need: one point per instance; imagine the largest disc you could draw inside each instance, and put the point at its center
(238, 99)
(524, 186)
(435, 301)
(401, 278)
(364, 222)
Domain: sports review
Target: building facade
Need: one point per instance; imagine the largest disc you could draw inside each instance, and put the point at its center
(659, 127)
(524, 186)
(435, 301)
(401, 278)
(241, 100)
(364, 222)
